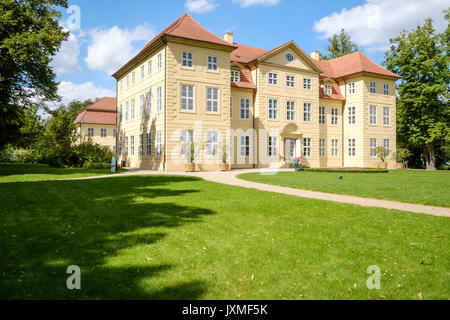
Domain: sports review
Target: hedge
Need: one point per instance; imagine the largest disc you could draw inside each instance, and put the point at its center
(358, 170)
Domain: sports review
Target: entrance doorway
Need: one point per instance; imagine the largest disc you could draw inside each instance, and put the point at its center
(292, 149)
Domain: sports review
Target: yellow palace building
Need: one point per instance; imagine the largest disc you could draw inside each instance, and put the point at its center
(264, 107)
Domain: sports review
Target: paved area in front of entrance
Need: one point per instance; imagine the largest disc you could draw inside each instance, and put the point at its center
(229, 178)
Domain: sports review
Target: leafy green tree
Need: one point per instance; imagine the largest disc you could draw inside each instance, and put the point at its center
(29, 37)
(61, 132)
(32, 128)
(422, 59)
(340, 45)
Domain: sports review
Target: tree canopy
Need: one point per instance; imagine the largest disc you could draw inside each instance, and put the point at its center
(29, 37)
(340, 45)
(422, 59)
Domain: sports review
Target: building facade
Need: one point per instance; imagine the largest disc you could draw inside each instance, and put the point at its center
(264, 108)
(98, 123)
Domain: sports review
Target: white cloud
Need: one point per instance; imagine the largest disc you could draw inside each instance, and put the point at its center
(70, 91)
(248, 3)
(373, 23)
(111, 48)
(66, 60)
(200, 6)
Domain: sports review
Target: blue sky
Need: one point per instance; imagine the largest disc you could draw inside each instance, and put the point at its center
(106, 34)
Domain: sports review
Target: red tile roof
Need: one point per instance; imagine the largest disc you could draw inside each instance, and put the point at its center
(101, 112)
(246, 80)
(246, 54)
(187, 27)
(351, 64)
(335, 93)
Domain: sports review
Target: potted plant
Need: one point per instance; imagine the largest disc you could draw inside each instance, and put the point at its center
(189, 153)
(224, 166)
(298, 164)
(382, 153)
(400, 157)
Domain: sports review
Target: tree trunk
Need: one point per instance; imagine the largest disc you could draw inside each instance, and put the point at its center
(430, 157)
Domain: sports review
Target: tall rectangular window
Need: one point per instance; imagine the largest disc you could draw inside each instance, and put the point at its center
(386, 116)
(212, 63)
(132, 145)
(159, 99)
(142, 72)
(245, 146)
(386, 89)
(141, 145)
(307, 117)
(351, 147)
(212, 143)
(334, 147)
(334, 116)
(158, 143)
(149, 103)
(185, 137)
(132, 110)
(187, 97)
(90, 132)
(187, 60)
(290, 110)
(149, 68)
(273, 78)
(103, 132)
(126, 146)
(149, 144)
(212, 100)
(306, 83)
(235, 76)
(128, 81)
(160, 61)
(373, 87)
(273, 146)
(290, 81)
(387, 146)
(327, 89)
(231, 107)
(352, 115)
(373, 115)
(307, 147)
(322, 148)
(120, 114)
(133, 77)
(322, 115)
(245, 109)
(273, 109)
(121, 85)
(120, 146)
(351, 88)
(373, 147)
(142, 107)
(126, 110)
(114, 133)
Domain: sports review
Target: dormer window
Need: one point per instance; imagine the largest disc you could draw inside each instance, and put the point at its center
(327, 89)
(289, 57)
(235, 76)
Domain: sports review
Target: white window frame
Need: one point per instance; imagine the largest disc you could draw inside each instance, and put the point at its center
(352, 147)
(386, 116)
(91, 132)
(334, 116)
(133, 78)
(103, 133)
(158, 143)
(126, 146)
(351, 88)
(352, 115)
(213, 63)
(387, 146)
(142, 106)
(327, 89)
(128, 81)
(160, 61)
(149, 67)
(373, 115)
(245, 146)
(322, 115)
(290, 111)
(373, 147)
(149, 144)
(244, 113)
(212, 142)
(272, 110)
(127, 106)
(142, 72)
(159, 99)
(307, 147)
(121, 85)
(187, 97)
(322, 148)
(307, 83)
(290, 81)
(132, 145)
(373, 87)
(133, 104)
(231, 107)
(141, 145)
(273, 146)
(273, 79)
(334, 148)
(185, 137)
(120, 145)
(212, 100)
(235, 76)
(120, 113)
(114, 133)
(149, 102)
(386, 89)
(307, 112)
(187, 59)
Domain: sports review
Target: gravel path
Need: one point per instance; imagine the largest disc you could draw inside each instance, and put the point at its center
(229, 178)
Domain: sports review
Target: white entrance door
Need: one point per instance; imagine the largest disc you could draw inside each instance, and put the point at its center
(292, 149)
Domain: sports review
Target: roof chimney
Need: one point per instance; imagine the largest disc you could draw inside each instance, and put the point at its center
(315, 55)
(228, 37)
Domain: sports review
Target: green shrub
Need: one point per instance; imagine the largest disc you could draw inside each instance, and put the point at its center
(18, 155)
(358, 170)
(96, 165)
(85, 154)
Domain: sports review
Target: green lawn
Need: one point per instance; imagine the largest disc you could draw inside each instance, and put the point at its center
(165, 237)
(40, 172)
(415, 186)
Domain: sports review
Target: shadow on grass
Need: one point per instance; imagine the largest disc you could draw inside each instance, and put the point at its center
(104, 226)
